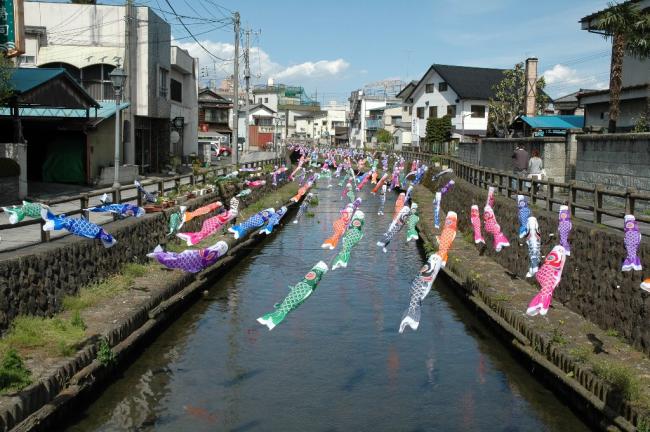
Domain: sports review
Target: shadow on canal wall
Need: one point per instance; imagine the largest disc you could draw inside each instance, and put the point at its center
(592, 285)
(49, 402)
(34, 280)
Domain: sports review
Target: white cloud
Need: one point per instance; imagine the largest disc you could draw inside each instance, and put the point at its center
(563, 79)
(261, 63)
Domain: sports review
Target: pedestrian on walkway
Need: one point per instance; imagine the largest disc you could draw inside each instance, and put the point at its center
(519, 162)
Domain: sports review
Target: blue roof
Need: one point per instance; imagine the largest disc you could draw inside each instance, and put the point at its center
(106, 109)
(24, 79)
(555, 122)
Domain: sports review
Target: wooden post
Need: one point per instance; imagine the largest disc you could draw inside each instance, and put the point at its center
(83, 203)
(572, 197)
(629, 201)
(45, 235)
(549, 194)
(161, 187)
(533, 191)
(598, 203)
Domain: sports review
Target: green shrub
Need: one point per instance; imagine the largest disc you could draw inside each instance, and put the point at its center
(621, 378)
(77, 321)
(13, 373)
(104, 353)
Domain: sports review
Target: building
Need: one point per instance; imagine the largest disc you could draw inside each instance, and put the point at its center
(635, 92)
(336, 116)
(214, 116)
(161, 78)
(569, 105)
(366, 115)
(460, 92)
(291, 103)
(262, 126)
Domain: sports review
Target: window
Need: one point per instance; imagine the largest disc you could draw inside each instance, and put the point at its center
(478, 111)
(27, 59)
(428, 88)
(451, 110)
(264, 121)
(162, 82)
(442, 86)
(395, 120)
(405, 108)
(433, 111)
(420, 112)
(214, 115)
(176, 90)
(266, 100)
(259, 100)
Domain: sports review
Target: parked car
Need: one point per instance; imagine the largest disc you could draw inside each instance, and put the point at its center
(218, 150)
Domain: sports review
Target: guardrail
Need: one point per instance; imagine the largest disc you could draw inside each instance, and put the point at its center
(84, 198)
(576, 196)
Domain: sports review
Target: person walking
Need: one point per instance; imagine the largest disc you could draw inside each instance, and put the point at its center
(519, 162)
(535, 166)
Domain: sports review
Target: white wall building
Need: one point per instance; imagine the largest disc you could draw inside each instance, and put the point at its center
(458, 91)
(363, 124)
(90, 40)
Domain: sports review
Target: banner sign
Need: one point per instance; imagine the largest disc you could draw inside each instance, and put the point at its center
(11, 28)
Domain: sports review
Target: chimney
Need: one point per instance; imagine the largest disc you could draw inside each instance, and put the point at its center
(530, 108)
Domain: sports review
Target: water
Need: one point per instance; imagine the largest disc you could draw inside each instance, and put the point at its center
(335, 364)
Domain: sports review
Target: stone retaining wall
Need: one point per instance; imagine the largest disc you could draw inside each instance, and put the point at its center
(34, 280)
(592, 283)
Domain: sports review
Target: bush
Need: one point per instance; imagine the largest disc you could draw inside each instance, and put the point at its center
(13, 373)
(104, 353)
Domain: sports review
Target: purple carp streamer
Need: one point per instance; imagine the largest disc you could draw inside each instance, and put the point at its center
(190, 260)
(632, 241)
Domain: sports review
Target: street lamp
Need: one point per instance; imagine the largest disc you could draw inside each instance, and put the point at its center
(118, 77)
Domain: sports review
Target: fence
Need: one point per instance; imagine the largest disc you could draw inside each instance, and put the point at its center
(584, 201)
(117, 194)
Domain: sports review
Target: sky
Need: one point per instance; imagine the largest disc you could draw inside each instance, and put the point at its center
(334, 47)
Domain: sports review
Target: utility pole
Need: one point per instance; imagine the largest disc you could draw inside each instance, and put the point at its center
(247, 79)
(235, 100)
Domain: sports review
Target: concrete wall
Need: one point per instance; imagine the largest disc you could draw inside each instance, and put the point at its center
(468, 152)
(497, 153)
(18, 153)
(102, 147)
(34, 280)
(614, 160)
(592, 283)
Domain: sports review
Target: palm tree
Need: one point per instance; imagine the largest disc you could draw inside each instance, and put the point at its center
(629, 29)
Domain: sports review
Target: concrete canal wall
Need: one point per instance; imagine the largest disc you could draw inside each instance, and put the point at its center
(592, 282)
(34, 280)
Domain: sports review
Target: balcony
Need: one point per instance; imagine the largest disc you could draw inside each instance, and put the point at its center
(181, 60)
(374, 123)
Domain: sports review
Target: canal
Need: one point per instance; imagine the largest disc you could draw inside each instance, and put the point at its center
(335, 364)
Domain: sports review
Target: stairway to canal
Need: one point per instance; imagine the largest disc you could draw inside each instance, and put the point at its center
(335, 364)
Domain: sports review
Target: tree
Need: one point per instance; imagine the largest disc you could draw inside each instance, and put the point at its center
(510, 98)
(5, 71)
(629, 29)
(438, 131)
(383, 136)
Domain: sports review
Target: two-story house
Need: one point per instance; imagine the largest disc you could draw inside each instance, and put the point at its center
(214, 116)
(461, 92)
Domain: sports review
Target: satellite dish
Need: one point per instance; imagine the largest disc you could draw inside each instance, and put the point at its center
(174, 137)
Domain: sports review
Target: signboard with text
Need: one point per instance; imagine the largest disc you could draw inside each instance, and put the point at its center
(12, 28)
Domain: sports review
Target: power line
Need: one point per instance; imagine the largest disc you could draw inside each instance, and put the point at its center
(192, 35)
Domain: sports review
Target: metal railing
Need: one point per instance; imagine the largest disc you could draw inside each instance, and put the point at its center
(585, 201)
(83, 199)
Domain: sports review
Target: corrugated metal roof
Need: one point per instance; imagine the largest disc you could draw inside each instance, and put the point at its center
(555, 122)
(106, 110)
(22, 80)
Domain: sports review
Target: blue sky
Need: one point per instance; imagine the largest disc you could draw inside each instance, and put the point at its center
(336, 46)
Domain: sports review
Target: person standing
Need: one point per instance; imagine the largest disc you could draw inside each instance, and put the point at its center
(535, 166)
(519, 162)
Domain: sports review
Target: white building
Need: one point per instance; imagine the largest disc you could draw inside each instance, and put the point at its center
(635, 91)
(458, 91)
(90, 40)
(364, 120)
(291, 104)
